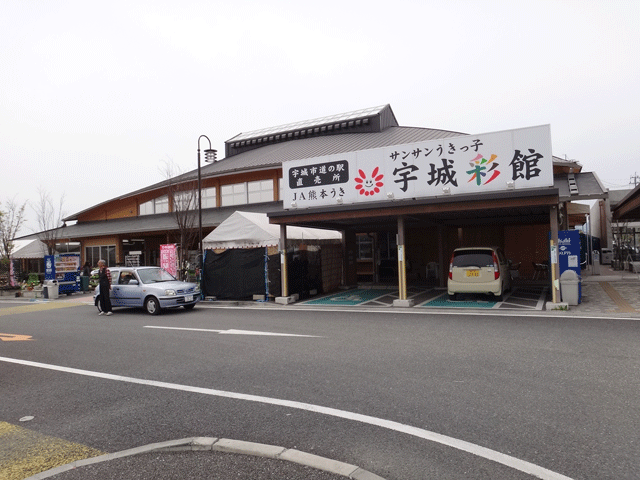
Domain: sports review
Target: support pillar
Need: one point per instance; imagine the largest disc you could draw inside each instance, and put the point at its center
(441, 265)
(284, 277)
(553, 245)
(402, 269)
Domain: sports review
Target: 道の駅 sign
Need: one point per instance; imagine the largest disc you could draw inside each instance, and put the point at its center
(490, 162)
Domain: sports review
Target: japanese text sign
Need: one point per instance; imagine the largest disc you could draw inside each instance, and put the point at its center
(511, 159)
(169, 258)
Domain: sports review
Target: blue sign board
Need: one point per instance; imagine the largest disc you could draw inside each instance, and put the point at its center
(569, 247)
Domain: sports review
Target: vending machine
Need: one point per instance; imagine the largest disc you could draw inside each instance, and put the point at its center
(64, 268)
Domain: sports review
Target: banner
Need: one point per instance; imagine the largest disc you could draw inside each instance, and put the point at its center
(169, 258)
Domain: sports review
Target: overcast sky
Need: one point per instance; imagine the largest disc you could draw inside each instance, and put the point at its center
(96, 97)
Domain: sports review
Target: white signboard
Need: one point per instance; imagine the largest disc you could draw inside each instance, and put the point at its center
(512, 159)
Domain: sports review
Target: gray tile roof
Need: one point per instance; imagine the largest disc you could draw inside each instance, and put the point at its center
(211, 217)
(588, 186)
(272, 156)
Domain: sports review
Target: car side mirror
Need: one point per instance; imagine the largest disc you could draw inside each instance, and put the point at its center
(133, 282)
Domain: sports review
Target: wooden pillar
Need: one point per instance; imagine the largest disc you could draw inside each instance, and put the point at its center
(402, 269)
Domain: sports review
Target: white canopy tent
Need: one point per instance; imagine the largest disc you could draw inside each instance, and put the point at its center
(253, 230)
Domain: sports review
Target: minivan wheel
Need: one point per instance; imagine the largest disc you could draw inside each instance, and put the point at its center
(152, 306)
(452, 297)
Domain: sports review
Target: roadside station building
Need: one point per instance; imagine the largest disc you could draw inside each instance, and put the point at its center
(403, 197)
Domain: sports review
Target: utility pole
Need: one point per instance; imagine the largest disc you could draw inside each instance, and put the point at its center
(635, 178)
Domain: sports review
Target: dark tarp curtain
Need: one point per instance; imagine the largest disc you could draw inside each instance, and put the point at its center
(237, 273)
(240, 273)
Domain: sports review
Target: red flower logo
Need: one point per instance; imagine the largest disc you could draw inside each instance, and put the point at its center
(369, 186)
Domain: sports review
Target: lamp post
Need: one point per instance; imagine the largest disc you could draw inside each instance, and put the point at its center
(209, 156)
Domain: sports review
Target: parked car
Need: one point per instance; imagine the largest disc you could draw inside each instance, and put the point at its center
(151, 288)
(478, 270)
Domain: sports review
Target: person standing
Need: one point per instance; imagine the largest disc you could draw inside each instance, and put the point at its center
(86, 270)
(86, 276)
(104, 276)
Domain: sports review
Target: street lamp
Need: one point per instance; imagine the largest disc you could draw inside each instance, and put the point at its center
(209, 156)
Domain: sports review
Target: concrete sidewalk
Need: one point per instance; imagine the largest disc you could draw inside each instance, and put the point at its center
(611, 293)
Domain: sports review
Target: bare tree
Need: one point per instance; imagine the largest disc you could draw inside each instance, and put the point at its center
(621, 241)
(183, 202)
(11, 219)
(49, 217)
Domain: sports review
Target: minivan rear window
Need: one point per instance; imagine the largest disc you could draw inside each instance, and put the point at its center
(473, 258)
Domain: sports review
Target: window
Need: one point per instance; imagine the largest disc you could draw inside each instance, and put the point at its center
(260, 191)
(103, 252)
(146, 208)
(162, 204)
(183, 201)
(209, 197)
(188, 200)
(365, 247)
(387, 245)
(281, 188)
(157, 205)
(235, 194)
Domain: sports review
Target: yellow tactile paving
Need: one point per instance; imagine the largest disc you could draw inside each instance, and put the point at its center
(24, 453)
(621, 303)
(37, 307)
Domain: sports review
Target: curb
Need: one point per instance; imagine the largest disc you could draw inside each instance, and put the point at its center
(200, 444)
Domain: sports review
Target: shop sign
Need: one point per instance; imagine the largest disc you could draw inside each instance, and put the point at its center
(469, 164)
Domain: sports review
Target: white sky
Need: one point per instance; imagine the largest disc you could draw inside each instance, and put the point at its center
(95, 97)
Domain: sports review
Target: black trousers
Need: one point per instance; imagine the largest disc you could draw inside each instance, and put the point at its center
(105, 301)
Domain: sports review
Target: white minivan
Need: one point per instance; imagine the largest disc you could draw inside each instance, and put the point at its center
(478, 270)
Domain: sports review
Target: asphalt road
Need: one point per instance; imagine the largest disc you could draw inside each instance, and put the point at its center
(405, 396)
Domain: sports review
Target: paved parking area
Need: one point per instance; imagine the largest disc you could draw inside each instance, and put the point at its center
(524, 297)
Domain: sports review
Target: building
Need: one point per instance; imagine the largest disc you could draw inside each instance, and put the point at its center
(425, 227)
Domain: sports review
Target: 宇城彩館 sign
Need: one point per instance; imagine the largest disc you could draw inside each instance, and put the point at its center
(490, 162)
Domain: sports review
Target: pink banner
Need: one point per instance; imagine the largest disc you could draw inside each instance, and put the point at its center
(168, 258)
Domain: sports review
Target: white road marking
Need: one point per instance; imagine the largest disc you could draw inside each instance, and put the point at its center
(424, 312)
(509, 461)
(233, 332)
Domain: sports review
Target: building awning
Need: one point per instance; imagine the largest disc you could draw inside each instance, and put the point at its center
(152, 224)
(34, 248)
(629, 207)
(500, 208)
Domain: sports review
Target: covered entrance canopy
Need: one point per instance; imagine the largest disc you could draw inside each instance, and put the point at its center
(429, 229)
(527, 207)
(499, 187)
